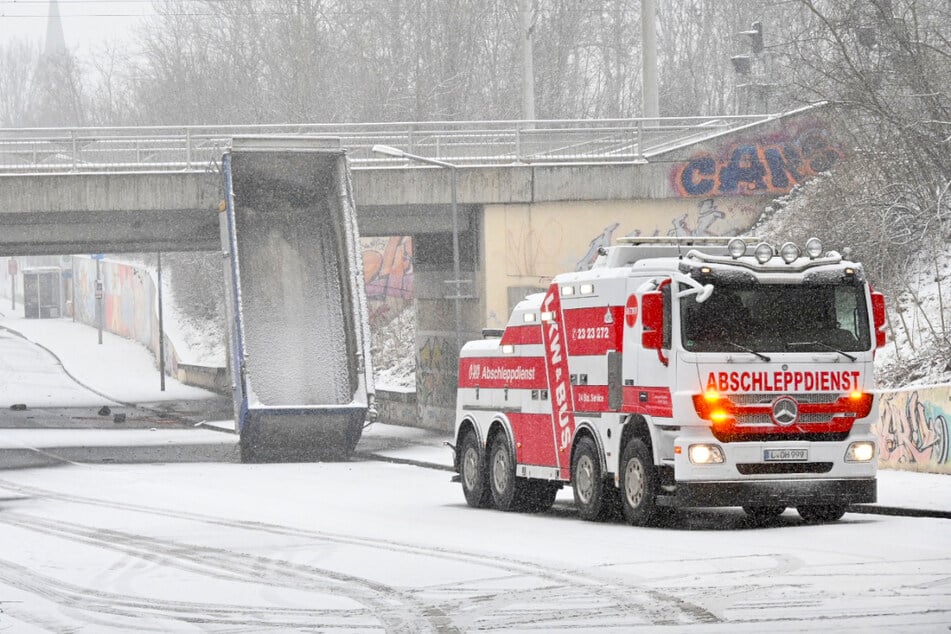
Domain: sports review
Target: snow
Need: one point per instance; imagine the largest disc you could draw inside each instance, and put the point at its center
(120, 370)
(920, 323)
(369, 546)
(125, 371)
(197, 342)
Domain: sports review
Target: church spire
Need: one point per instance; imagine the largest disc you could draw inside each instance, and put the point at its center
(55, 41)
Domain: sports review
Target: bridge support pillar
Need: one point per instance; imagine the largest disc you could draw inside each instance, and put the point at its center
(437, 340)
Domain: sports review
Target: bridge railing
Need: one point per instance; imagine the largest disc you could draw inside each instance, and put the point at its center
(165, 148)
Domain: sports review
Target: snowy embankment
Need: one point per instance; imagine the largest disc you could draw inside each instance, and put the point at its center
(918, 351)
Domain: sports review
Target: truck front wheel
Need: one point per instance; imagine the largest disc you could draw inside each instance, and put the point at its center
(588, 481)
(639, 484)
(472, 472)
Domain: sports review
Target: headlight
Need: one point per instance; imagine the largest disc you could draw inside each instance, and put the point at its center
(813, 248)
(736, 247)
(705, 454)
(789, 252)
(763, 252)
(860, 452)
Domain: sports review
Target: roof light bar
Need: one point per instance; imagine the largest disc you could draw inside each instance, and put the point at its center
(813, 248)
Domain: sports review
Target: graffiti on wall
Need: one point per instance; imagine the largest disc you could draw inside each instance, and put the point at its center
(388, 267)
(708, 214)
(913, 428)
(526, 245)
(436, 373)
(129, 300)
(770, 165)
(388, 276)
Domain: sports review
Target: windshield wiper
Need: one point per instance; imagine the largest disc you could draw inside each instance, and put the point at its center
(822, 345)
(744, 349)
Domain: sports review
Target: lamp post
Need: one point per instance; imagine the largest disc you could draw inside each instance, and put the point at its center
(457, 295)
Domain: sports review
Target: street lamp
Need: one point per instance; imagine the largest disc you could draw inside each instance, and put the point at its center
(392, 151)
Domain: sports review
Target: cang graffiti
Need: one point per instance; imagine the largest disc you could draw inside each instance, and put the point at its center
(913, 429)
(764, 166)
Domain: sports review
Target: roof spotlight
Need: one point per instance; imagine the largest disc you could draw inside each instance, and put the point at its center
(763, 252)
(813, 248)
(789, 252)
(736, 248)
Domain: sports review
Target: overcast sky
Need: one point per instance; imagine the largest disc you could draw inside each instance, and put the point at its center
(87, 24)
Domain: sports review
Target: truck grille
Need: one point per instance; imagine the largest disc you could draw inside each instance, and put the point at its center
(767, 398)
(765, 419)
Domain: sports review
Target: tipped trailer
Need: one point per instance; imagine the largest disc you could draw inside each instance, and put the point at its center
(298, 319)
(679, 372)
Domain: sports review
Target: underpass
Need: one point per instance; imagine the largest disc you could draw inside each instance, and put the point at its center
(529, 200)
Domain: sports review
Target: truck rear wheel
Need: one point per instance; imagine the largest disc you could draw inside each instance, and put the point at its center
(588, 481)
(472, 472)
(639, 483)
(821, 513)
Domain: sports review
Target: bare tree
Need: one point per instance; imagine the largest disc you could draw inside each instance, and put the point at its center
(18, 60)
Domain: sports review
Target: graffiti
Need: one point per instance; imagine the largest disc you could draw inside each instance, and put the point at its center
(388, 267)
(594, 247)
(436, 369)
(767, 166)
(913, 428)
(707, 215)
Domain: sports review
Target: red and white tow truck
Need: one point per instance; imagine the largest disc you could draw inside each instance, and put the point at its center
(679, 372)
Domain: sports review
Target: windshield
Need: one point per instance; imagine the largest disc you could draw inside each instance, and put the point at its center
(776, 318)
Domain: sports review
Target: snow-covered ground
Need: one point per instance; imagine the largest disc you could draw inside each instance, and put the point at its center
(125, 371)
(117, 369)
(369, 547)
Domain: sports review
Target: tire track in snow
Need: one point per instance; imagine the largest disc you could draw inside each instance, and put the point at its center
(614, 598)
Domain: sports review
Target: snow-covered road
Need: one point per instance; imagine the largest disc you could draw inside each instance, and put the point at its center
(370, 546)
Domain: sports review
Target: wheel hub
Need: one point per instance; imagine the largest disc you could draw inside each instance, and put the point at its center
(470, 467)
(634, 483)
(500, 471)
(584, 479)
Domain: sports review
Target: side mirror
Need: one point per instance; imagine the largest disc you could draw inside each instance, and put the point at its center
(878, 317)
(652, 319)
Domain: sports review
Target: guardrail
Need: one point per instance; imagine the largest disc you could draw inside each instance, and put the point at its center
(168, 148)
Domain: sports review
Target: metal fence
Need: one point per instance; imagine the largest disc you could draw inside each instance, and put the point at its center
(165, 148)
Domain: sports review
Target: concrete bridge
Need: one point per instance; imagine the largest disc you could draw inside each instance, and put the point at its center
(533, 198)
(145, 189)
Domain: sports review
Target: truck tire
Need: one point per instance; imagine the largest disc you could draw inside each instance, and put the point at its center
(821, 513)
(472, 472)
(588, 482)
(507, 490)
(639, 484)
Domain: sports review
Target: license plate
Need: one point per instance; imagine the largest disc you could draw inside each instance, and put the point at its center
(785, 455)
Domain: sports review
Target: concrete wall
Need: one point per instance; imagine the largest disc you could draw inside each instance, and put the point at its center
(526, 245)
(914, 429)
